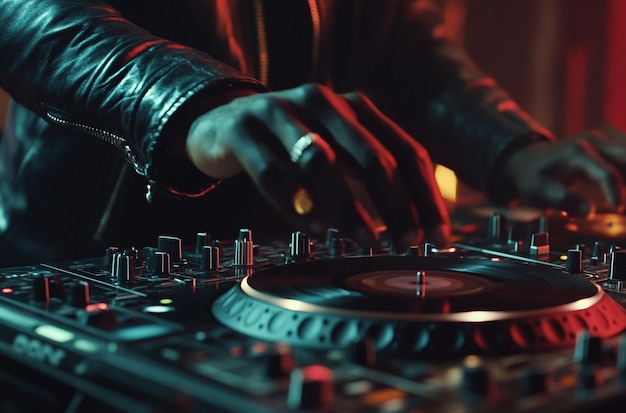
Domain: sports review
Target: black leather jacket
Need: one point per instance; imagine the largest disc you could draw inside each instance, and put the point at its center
(90, 70)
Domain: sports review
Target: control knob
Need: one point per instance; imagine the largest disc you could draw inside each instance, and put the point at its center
(300, 246)
(310, 387)
(244, 249)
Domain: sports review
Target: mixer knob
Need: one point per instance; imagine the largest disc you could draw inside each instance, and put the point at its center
(245, 234)
(279, 362)
(161, 263)
(108, 256)
(202, 239)
(337, 247)
(475, 380)
(588, 348)
(210, 258)
(172, 245)
(310, 387)
(332, 234)
(45, 287)
(539, 244)
(574, 263)
(135, 253)
(363, 352)
(78, 294)
(598, 253)
(124, 268)
(365, 251)
(244, 249)
(41, 288)
(618, 265)
(494, 227)
(100, 316)
(534, 381)
(300, 246)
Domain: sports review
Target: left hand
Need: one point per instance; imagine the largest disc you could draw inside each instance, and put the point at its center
(577, 175)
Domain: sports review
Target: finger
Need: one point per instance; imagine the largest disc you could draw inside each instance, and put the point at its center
(609, 142)
(277, 181)
(373, 164)
(317, 168)
(583, 158)
(415, 167)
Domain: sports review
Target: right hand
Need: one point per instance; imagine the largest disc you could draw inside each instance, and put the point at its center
(256, 133)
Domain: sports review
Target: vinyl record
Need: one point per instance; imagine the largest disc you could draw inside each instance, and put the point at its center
(388, 286)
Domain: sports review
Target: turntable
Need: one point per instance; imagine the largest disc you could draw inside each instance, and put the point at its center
(307, 325)
(420, 305)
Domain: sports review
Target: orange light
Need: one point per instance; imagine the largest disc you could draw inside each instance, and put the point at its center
(95, 307)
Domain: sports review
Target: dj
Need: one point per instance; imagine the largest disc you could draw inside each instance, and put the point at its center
(321, 107)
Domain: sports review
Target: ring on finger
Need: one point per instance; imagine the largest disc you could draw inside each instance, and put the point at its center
(302, 144)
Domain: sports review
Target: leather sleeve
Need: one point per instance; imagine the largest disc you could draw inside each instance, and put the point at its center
(81, 65)
(436, 92)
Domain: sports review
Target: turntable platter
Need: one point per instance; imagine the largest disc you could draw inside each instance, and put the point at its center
(417, 305)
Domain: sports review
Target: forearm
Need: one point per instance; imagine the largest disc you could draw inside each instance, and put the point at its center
(82, 62)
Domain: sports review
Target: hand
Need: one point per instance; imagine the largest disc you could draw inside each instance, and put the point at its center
(578, 175)
(353, 143)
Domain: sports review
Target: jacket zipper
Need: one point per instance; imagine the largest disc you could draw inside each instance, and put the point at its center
(262, 38)
(112, 139)
(121, 145)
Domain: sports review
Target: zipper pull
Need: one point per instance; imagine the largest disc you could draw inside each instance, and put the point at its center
(149, 191)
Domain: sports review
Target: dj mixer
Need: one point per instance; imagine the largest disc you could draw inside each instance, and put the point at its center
(513, 318)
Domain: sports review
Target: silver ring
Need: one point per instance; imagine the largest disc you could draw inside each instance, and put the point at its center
(302, 144)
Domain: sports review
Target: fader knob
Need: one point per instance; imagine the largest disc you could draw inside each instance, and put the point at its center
(310, 387)
(100, 316)
(540, 244)
(494, 227)
(279, 362)
(171, 245)
(300, 246)
(588, 348)
(336, 247)
(618, 265)
(332, 234)
(244, 249)
(363, 352)
(533, 381)
(41, 288)
(210, 258)
(475, 376)
(124, 268)
(108, 256)
(202, 239)
(78, 294)
(598, 253)
(574, 263)
(161, 263)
